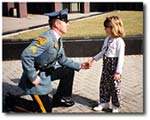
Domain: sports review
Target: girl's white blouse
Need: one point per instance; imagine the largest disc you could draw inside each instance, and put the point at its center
(113, 48)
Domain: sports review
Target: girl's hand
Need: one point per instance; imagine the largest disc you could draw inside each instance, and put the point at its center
(90, 61)
(116, 76)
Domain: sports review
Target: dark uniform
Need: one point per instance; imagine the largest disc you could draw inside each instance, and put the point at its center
(39, 59)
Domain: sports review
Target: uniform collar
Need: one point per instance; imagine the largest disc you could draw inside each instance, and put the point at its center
(56, 35)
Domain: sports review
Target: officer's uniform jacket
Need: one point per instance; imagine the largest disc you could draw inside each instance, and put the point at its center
(43, 51)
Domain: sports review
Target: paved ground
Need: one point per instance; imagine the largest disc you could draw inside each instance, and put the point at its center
(86, 84)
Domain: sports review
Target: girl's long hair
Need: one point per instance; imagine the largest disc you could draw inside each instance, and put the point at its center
(116, 25)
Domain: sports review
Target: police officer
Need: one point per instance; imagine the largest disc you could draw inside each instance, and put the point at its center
(39, 61)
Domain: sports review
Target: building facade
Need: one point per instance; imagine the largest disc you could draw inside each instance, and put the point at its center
(21, 9)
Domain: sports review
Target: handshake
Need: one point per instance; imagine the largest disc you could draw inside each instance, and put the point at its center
(88, 64)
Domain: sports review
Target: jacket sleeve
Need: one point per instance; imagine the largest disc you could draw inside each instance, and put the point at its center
(28, 58)
(102, 52)
(68, 62)
(121, 53)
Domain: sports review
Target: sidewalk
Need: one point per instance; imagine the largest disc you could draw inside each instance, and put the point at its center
(86, 85)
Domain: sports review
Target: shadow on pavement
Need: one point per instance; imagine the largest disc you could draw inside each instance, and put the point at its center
(15, 90)
(84, 101)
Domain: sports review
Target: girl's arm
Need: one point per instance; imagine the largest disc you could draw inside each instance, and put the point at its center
(100, 54)
(121, 52)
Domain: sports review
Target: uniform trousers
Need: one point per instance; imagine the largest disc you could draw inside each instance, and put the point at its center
(66, 76)
(109, 88)
(43, 103)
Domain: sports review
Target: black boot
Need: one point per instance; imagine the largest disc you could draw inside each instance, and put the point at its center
(62, 102)
(9, 102)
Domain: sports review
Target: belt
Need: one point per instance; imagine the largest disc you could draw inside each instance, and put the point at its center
(47, 66)
(44, 67)
(112, 58)
(48, 71)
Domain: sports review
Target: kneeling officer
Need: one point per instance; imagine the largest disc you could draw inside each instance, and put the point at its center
(39, 66)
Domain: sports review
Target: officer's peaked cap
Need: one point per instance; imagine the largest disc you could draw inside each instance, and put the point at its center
(62, 15)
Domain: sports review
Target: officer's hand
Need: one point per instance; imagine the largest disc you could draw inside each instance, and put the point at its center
(37, 80)
(85, 65)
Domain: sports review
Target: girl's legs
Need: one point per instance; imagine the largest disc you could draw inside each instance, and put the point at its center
(116, 94)
(104, 93)
(104, 89)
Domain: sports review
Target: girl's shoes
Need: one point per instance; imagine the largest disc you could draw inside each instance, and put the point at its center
(101, 106)
(115, 109)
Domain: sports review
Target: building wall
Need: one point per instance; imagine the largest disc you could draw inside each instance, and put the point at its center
(15, 9)
(80, 7)
(109, 6)
(40, 8)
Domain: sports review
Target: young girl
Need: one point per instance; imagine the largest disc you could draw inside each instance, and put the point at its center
(113, 57)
